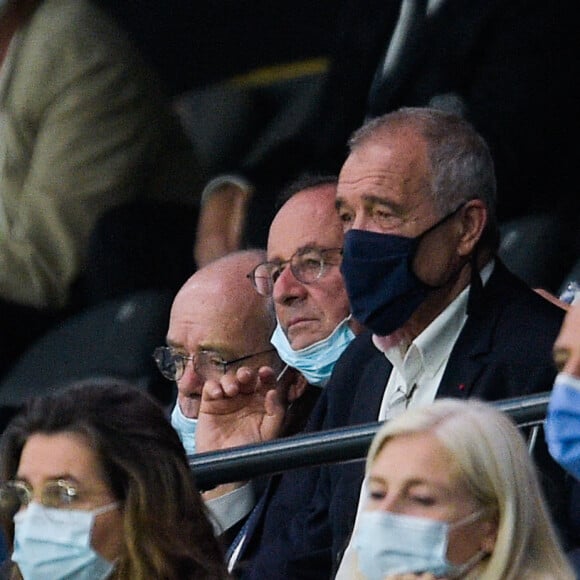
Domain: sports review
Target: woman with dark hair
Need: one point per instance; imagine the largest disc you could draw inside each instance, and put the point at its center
(94, 483)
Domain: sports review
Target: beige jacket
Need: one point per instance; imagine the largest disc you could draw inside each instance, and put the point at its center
(83, 127)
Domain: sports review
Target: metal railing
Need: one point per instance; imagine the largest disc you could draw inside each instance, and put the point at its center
(322, 447)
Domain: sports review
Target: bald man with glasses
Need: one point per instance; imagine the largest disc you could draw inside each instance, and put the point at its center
(220, 327)
(217, 324)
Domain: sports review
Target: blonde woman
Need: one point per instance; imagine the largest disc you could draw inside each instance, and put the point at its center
(452, 493)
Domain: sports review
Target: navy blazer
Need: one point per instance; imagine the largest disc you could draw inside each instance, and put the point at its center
(503, 351)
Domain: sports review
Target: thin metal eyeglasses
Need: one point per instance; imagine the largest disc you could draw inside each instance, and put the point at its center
(58, 493)
(307, 265)
(207, 364)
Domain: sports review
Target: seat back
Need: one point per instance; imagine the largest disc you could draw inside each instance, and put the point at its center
(136, 246)
(113, 339)
(538, 248)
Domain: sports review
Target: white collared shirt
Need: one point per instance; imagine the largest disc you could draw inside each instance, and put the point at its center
(418, 370)
(414, 380)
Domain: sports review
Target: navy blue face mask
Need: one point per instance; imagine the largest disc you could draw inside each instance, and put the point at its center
(382, 288)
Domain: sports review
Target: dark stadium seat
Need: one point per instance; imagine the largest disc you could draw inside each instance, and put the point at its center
(113, 339)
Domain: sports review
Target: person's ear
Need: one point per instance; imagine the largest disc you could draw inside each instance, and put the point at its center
(297, 385)
(472, 222)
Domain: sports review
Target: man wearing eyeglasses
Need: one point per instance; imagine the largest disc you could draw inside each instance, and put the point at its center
(303, 276)
(217, 324)
(313, 322)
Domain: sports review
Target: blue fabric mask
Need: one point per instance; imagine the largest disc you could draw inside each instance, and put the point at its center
(382, 288)
(56, 544)
(563, 423)
(316, 361)
(389, 543)
(185, 428)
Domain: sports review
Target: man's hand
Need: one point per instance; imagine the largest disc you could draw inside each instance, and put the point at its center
(245, 408)
(221, 223)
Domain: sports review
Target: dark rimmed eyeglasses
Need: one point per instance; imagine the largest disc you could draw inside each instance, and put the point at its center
(207, 364)
(307, 265)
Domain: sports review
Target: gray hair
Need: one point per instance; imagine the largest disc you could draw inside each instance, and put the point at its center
(461, 164)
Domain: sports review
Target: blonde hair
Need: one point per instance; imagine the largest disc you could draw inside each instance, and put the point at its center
(491, 457)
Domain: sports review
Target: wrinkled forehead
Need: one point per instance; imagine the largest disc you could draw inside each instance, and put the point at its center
(224, 314)
(396, 167)
(309, 219)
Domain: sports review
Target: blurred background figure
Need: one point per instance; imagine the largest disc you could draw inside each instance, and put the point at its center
(94, 483)
(84, 127)
(451, 492)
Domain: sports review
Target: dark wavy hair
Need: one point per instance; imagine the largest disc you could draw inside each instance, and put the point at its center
(167, 534)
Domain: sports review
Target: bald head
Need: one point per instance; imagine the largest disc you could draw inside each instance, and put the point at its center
(221, 294)
(218, 310)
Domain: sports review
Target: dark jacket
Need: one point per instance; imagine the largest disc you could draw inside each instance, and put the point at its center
(503, 351)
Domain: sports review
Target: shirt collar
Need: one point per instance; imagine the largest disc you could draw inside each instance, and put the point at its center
(430, 349)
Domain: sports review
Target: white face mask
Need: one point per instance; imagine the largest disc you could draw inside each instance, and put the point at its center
(389, 543)
(185, 428)
(56, 544)
(316, 361)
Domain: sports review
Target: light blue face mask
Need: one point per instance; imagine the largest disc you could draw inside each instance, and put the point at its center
(316, 361)
(388, 543)
(562, 425)
(56, 544)
(185, 428)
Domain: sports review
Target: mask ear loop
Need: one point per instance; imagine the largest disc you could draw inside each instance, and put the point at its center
(427, 231)
(282, 373)
(462, 569)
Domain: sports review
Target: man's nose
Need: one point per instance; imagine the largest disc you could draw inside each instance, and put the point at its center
(191, 383)
(287, 287)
